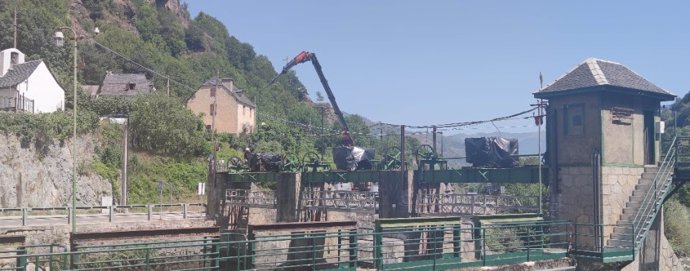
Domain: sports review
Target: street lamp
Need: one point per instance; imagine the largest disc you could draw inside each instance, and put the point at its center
(59, 41)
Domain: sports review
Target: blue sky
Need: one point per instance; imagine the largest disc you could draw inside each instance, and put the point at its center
(430, 62)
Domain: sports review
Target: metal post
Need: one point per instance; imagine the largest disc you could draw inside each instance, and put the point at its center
(353, 248)
(433, 132)
(147, 259)
(160, 207)
(23, 216)
(403, 165)
(125, 160)
(110, 213)
(540, 116)
(149, 210)
(457, 238)
(675, 137)
(184, 210)
(74, 142)
(22, 259)
(483, 247)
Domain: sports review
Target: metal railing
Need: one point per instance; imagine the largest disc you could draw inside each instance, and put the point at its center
(422, 246)
(21, 104)
(654, 197)
(588, 241)
(12, 217)
(475, 204)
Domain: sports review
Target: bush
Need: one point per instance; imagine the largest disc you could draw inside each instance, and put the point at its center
(42, 129)
(162, 125)
(676, 219)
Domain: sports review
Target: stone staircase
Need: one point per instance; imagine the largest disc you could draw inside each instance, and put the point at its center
(643, 205)
(623, 235)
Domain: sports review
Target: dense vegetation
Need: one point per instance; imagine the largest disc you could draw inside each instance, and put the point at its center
(677, 209)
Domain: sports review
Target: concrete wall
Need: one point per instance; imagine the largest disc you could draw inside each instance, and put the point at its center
(656, 252)
(396, 192)
(576, 150)
(245, 118)
(577, 203)
(623, 144)
(60, 234)
(617, 186)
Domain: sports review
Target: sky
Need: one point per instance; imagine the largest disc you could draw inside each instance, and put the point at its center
(434, 62)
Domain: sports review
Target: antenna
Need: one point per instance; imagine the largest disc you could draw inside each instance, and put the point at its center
(541, 81)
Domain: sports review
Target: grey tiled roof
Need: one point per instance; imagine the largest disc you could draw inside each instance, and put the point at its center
(116, 84)
(239, 94)
(225, 84)
(596, 72)
(19, 73)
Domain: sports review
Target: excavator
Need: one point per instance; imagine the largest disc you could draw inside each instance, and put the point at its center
(347, 156)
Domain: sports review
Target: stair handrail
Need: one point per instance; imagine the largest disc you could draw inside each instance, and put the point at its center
(650, 203)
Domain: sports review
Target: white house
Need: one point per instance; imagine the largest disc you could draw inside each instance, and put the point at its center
(28, 86)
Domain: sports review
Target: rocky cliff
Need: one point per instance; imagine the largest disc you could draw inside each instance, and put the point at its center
(33, 178)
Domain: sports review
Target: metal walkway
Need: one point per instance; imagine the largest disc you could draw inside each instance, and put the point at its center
(438, 243)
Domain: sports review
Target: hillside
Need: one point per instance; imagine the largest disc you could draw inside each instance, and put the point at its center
(160, 39)
(168, 142)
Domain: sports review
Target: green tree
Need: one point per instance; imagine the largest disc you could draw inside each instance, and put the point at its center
(162, 125)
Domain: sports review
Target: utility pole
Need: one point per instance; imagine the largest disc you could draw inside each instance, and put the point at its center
(322, 146)
(14, 24)
(433, 131)
(214, 110)
(539, 121)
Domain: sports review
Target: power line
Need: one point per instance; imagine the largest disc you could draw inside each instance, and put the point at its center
(461, 124)
(154, 72)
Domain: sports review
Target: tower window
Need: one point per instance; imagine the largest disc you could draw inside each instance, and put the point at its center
(14, 58)
(574, 119)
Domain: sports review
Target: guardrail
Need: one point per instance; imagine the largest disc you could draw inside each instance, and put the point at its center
(427, 244)
(589, 242)
(24, 216)
(654, 197)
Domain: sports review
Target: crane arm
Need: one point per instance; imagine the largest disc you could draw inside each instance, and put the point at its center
(305, 56)
(329, 93)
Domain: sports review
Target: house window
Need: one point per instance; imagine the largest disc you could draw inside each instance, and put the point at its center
(14, 58)
(213, 92)
(574, 119)
(212, 110)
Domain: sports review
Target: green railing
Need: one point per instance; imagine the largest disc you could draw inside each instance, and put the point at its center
(654, 197)
(425, 244)
(588, 241)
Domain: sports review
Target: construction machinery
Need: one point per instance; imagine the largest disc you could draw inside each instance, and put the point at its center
(346, 156)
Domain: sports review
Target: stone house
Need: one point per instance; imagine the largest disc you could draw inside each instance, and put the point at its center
(224, 107)
(603, 133)
(124, 84)
(28, 86)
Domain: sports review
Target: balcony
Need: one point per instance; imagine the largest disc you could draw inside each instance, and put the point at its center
(14, 104)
